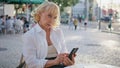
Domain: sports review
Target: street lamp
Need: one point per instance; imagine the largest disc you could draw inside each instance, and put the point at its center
(87, 8)
(100, 14)
(110, 25)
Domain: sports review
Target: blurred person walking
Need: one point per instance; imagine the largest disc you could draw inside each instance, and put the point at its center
(2, 24)
(71, 25)
(85, 24)
(9, 25)
(75, 23)
(18, 25)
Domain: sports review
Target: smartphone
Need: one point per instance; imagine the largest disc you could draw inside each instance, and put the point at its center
(74, 50)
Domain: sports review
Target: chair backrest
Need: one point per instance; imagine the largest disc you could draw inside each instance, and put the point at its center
(22, 63)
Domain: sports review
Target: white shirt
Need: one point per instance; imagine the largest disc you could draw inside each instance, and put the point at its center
(18, 24)
(9, 24)
(35, 45)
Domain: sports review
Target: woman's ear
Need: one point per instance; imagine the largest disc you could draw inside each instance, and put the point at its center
(39, 16)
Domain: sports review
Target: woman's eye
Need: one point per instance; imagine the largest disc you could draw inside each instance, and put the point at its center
(55, 17)
(50, 16)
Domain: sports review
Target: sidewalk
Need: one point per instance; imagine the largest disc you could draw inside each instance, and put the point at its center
(94, 47)
(115, 29)
(108, 31)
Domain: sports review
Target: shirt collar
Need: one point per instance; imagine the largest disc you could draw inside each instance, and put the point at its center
(38, 28)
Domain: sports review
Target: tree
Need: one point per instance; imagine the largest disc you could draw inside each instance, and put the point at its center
(17, 6)
(65, 3)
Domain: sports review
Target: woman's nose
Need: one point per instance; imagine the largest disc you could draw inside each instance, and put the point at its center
(52, 20)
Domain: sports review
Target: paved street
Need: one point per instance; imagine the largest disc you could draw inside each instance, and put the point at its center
(94, 47)
(104, 26)
(10, 50)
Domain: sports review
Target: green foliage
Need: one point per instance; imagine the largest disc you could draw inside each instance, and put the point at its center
(65, 3)
(22, 1)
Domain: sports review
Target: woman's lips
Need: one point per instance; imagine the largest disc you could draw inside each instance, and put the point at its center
(48, 25)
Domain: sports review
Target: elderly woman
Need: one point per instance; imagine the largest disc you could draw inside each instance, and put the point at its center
(44, 45)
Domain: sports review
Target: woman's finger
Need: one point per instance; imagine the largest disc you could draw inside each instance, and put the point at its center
(73, 60)
(67, 61)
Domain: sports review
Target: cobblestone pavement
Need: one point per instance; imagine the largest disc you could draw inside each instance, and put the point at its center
(94, 47)
(10, 50)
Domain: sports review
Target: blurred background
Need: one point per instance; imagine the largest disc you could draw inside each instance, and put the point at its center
(105, 13)
(91, 25)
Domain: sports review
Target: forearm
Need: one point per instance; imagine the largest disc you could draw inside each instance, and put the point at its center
(50, 63)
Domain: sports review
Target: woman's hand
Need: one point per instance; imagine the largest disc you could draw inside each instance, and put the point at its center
(67, 61)
(56, 61)
(63, 58)
(59, 59)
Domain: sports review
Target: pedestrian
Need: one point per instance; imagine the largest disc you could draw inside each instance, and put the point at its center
(80, 18)
(26, 25)
(2, 24)
(45, 40)
(18, 25)
(75, 23)
(9, 25)
(71, 24)
(85, 24)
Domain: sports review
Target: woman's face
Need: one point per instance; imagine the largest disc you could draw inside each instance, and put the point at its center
(47, 20)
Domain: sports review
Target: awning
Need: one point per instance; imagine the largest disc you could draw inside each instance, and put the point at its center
(23, 1)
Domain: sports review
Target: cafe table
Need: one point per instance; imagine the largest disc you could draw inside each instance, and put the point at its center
(92, 66)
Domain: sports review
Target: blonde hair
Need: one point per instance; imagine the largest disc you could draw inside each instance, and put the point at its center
(50, 7)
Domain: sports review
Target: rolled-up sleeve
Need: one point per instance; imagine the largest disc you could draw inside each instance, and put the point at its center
(30, 53)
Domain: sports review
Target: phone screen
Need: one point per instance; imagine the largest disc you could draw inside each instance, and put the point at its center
(74, 50)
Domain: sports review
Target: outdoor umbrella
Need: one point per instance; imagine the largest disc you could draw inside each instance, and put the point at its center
(22, 1)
